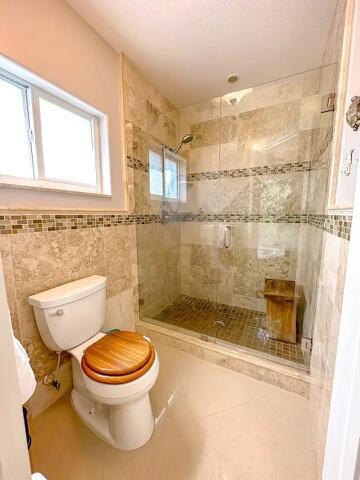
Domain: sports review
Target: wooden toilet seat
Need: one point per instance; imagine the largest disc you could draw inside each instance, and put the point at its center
(118, 357)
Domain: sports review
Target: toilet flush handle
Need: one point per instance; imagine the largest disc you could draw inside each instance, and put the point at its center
(58, 313)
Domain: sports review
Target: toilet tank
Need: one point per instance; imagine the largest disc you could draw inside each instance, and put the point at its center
(71, 313)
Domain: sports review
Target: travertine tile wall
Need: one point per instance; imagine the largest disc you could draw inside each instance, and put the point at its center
(42, 250)
(327, 313)
(158, 265)
(236, 275)
(151, 121)
(37, 261)
(324, 271)
(251, 155)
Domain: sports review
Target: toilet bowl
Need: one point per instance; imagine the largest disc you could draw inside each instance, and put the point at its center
(119, 413)
(112, 373)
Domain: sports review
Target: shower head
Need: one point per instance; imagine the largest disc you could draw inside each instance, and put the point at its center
(186, 139)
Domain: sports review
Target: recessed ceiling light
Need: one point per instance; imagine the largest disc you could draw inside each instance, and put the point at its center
(232, 78)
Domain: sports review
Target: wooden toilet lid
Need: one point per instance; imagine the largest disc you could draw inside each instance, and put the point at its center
(118, 379)
(118, 353)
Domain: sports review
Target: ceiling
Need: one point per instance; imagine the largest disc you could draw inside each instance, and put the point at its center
(187, 48)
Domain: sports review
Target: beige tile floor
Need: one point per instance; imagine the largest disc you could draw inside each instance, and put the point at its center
(212, 424)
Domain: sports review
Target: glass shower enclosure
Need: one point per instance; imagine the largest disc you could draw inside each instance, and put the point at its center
(230, 211)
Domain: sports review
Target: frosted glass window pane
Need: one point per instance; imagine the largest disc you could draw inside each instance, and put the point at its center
(15, 156)
(171, 179)
(67, 142)
(182, 179)
(156, 173)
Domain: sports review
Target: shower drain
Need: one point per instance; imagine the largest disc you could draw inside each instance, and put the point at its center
(219, 323)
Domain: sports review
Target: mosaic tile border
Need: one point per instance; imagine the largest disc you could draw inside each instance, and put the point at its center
(339, 225)
(281, 168)
(137, 164)
(241, 217)
(250, 172)
(32, 223)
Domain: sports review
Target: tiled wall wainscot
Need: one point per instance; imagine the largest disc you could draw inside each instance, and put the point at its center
(61, 249)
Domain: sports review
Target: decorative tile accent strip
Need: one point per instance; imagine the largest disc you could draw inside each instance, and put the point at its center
(14, 224)
(251, 172)
(243, 218)
(339, 225)
(137, 164)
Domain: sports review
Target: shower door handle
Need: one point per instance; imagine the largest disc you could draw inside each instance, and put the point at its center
(227, 236)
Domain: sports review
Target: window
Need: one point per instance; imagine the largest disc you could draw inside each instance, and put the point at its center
(15, 148)
(67, 144)
(48, 140)
(171, 178)
(160, 183)
(156, 173)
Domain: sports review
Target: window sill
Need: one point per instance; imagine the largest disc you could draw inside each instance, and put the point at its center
(40, 188)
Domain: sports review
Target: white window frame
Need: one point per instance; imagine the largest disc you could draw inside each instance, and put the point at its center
(23, 86)
(34, 88)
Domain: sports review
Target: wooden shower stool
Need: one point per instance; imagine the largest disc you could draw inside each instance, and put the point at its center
(281, 309)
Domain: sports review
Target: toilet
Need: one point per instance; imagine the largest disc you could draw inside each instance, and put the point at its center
(112, 373)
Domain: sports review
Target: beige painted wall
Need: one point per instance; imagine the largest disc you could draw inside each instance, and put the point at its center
(50, 39)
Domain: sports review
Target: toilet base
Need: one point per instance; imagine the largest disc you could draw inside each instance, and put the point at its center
(127, 426)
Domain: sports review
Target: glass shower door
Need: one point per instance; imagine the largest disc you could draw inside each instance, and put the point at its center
(241, 188)
(266, 139)
(199, 230)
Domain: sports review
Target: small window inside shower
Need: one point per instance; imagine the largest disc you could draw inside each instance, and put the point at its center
(156, 173)
(171, 179)
(167, 187)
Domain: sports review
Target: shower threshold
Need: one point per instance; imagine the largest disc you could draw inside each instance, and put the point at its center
(230, 326)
